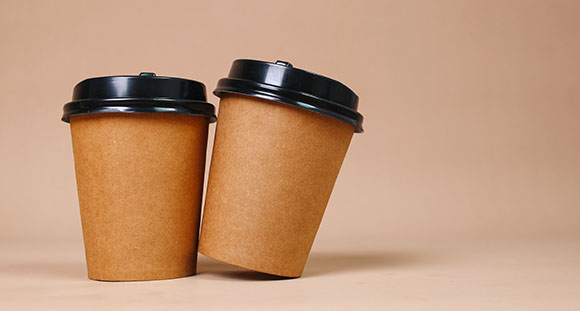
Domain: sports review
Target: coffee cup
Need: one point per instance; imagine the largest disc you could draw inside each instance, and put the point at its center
(280, 141)
(139, 145)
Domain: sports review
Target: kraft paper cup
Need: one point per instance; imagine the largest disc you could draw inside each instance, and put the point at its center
(273, 169)
(140, 182)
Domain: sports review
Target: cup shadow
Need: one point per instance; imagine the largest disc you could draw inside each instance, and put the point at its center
(319, 263)
(214, 269)
(330, 263)
(45, 270)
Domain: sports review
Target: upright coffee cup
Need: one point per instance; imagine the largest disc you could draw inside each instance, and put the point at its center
(139, 145)
(280, 141)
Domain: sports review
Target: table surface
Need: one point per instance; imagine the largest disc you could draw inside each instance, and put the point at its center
(484, 275)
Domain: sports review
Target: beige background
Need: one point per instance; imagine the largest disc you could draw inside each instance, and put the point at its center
(472, 119)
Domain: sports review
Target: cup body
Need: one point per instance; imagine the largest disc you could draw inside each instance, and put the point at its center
(140, 181)
(273, 169)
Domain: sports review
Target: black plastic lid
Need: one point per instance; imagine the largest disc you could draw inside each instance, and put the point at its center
(139, 94)
(282, 82)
